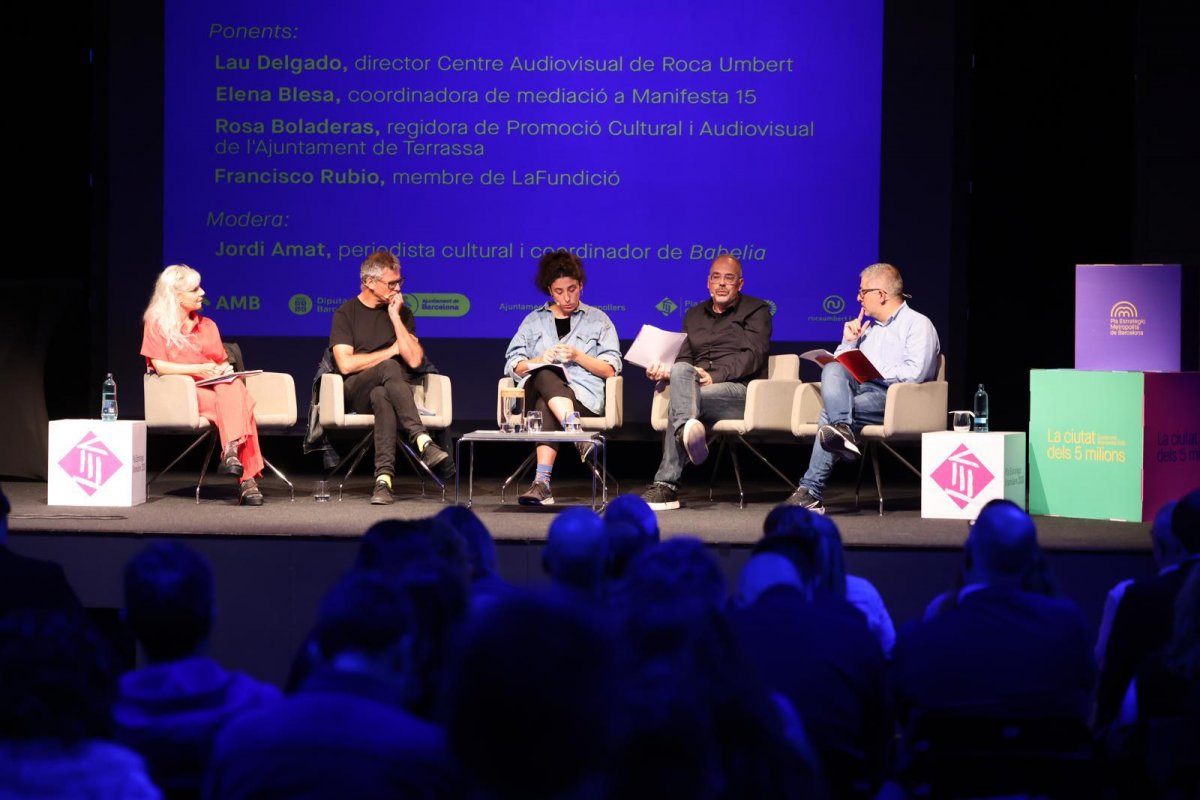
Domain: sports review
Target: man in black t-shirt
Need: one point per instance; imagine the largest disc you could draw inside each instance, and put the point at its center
(375, 348)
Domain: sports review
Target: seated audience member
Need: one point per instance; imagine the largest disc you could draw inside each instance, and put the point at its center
(580, 342)
(902, 344)
(694, 720)
(1167, 556)
(999, 650)
(632, 527)
(344, 733)
(576, 554)
(1158, 727)
(678, 567)
(29, 582)
(171, 710)
(529, 700)
(815, 648)
(1142, 623)
(832, 575)
(486, 583)
(57, 687)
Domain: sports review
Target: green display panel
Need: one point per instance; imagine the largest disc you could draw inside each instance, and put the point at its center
(1086, 434)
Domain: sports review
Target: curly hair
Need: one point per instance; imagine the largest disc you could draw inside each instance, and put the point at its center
(555, 265)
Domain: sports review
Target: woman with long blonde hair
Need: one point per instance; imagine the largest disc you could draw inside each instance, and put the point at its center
(178, 340)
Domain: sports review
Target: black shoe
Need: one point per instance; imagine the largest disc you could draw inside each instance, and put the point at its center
(586, 449)
(250, 495)
(439, 461)
(840, 440)
(382, 496)
(538, 495)
(805, 499)
(230, 464)
(661, 497)
(691, 436)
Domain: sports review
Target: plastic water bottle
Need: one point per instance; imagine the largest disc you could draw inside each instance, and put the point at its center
(981, 410)
(108, 399)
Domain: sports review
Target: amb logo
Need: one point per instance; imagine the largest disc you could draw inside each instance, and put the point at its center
(234, 302)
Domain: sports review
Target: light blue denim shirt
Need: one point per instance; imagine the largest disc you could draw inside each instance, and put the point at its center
(904, 349)
(591, 332)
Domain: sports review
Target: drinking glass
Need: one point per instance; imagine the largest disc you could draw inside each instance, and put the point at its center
(961, 420)
(533, 421)
(322, 493)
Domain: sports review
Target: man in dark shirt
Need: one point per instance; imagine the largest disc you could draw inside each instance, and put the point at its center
(375, 347)
(727, 342)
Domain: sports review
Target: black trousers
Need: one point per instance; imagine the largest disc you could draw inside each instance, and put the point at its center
(544, 385)
(386, 390)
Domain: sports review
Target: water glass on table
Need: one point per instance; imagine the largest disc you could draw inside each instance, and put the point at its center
(533, 422)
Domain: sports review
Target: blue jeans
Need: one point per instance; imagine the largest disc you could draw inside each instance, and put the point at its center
(845, 400)
(690, 400)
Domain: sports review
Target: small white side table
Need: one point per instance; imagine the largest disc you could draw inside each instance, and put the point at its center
(96, 463)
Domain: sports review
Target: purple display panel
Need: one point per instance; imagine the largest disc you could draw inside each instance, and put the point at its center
(1171, 467)
(1127, 317)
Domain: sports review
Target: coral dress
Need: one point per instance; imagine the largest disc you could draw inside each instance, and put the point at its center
(228, 405)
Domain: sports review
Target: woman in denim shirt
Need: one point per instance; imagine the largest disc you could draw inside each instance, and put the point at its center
(581, 341)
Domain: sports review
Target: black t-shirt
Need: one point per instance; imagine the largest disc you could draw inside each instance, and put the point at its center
(367, 329)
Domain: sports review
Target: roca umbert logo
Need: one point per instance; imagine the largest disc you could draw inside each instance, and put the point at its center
(833, 304)
(90, 463)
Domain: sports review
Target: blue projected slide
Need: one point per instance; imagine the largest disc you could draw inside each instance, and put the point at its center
(468, 137)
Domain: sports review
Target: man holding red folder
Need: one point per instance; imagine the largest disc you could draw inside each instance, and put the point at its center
(902, 345)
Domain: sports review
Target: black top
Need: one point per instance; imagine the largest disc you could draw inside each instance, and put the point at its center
(562, 326)
(731, 346)
(367, 329)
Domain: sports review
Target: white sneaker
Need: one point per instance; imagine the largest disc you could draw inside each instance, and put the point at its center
(694, 444)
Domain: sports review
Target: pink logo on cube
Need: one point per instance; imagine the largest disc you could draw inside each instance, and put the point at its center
(962, 477)
(90, 463)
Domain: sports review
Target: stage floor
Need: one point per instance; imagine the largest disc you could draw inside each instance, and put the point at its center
(170, 509)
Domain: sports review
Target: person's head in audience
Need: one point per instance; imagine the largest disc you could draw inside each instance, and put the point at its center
(796, 534)
(576, 552)
(1167, 549)
(528, 701)
(481, 549)
(632, 527)
(438, 599)
(365, 626)
(1183, 650)
(677, 567)
(1002, 547)
(169, 601)
(762, 573)
(57, 678)
(1185, 522)
(390, 545)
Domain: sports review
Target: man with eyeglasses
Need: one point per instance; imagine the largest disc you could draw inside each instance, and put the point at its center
(375, 348)
(727, 341)
(903, 346)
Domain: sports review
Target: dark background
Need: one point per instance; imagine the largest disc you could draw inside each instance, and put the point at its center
(1019, 140)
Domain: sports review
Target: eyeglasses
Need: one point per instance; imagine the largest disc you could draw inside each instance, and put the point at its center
(864, 292)
(396, 284)
(718, 278)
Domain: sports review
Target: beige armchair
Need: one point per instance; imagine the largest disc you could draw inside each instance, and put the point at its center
(614, 417)
(768, 410)
(433, 394)
(171, 406)
(911, 410)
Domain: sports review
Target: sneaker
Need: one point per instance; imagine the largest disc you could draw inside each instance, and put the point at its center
(661, 497)
(439, 461)
(840, 440)
(382, 496)
(691, 436)
(537, 495)
(585, 450)
(250, 495)
(230, 464)
(805, 499)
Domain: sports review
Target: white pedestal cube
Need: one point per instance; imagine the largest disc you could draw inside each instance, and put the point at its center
(962, 471)
(96, 463)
